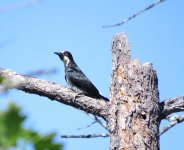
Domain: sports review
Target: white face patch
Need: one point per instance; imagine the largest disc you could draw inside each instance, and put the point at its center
(66, 60)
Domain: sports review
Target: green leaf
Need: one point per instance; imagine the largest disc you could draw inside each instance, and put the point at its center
(1, 79)
(11, 131)
(11, 122)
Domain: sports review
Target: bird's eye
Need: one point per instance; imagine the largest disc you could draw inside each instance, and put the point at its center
(66, 53)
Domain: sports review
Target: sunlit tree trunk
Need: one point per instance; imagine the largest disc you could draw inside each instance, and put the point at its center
(134, 108)
(133, 113)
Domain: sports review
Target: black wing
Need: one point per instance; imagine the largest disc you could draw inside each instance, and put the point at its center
(66, 79)
(78, 79)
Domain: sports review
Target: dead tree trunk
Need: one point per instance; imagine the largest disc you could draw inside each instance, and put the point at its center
(133, 113)
(134, 108)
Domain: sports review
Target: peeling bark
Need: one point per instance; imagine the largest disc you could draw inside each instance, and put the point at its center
(133, 114)
(54, 91)
(171, 106)
(134, 109)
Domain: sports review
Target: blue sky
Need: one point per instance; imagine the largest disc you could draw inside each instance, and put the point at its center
(29, 36)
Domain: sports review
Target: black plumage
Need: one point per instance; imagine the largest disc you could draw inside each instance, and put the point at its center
(76, 78)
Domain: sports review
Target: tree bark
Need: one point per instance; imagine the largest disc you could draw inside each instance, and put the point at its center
(134, 110)
(170, 106)
(53, 91)
(133, 113)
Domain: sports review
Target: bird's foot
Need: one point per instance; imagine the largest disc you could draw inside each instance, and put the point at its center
(77, 95)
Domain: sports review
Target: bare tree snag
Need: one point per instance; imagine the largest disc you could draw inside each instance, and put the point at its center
(134, 109)
(133, 113)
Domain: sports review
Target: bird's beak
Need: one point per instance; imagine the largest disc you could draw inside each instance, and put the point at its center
(60, 54)
(57, 53)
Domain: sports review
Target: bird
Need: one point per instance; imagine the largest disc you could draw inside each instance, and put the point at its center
(76, 79)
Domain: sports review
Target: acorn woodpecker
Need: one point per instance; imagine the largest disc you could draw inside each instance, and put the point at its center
(76, 79)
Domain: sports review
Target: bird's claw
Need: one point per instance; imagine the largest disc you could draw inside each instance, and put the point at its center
(77, 95)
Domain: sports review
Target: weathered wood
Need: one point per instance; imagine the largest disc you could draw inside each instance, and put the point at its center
(134, 109)
(54, 92)
(133, 114)
(170, 106)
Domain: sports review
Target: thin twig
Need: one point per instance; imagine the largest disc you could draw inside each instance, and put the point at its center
(42, 72)
(19, 5)
(87, 125)
(135, 14)
(85, 136)
(98, 120)
(174, 122)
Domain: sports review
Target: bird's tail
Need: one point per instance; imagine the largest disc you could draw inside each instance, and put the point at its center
(104, 98)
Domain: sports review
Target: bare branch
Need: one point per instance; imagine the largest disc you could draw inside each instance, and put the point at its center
(100, 122)
(42, 72)
(87, 125)
(85, 136)
(135, 14)
(96, 120)
(170, 106)
(5, 85)
(56, 92)
(177, 120)
(28, 3)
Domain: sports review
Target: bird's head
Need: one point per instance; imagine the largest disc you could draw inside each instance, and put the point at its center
(65, 56)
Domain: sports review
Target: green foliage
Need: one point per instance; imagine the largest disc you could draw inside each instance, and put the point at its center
(1, 80)
(11, 131)
(10, 125)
